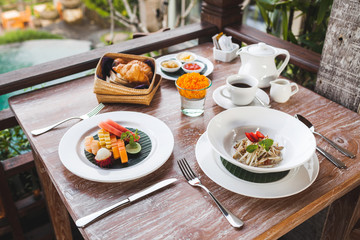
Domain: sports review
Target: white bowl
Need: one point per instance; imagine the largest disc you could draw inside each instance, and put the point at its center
(230, 126)
(167, 69)
(180, 55)
(201, 65)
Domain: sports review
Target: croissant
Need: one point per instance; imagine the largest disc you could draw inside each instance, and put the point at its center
(144, 67)
(132, 73)
(135, 72)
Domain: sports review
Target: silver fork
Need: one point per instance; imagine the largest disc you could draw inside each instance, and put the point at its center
(93, 112)
(193, 180)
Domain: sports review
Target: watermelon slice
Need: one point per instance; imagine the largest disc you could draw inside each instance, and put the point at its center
(121, 128)
(110, 129)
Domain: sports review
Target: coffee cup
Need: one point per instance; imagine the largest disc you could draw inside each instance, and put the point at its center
(240, 89)
(281, 90)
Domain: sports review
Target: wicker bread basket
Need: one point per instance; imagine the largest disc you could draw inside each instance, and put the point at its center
(136, 99)
(108, 92)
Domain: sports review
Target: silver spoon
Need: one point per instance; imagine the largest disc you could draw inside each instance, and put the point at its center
(312, 129)
(262, 102)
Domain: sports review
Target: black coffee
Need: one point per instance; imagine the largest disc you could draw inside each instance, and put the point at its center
(241, 85)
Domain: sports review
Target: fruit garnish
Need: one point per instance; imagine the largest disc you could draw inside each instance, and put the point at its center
(255, 137)
(130, 137)
(132, 147)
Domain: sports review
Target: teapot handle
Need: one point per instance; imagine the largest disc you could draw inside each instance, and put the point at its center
(239, 51)
(286, 61)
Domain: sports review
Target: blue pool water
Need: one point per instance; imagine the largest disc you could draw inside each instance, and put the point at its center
(30, 53)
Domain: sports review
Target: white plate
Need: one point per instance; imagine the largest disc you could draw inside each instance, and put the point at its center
(226, 103)
(209, 67)
(295, 181)
(71, 147)
(229, 126)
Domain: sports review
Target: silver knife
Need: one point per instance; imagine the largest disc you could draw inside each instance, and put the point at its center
(84, 221)
(332, 159)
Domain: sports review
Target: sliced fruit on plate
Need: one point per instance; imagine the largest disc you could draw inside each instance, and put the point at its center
(104, 158)
(133, 148)
(110, 128)
(95, 146)
(104, 138)
(87, 143)
(122, 151)
(120, 128)
(114, 147)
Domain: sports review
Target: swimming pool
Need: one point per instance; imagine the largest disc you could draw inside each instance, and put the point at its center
(29, 53)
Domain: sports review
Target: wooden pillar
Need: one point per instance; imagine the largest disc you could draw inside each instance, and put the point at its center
(221, 12)
(11, 212)
(57, 210)
(343, 215)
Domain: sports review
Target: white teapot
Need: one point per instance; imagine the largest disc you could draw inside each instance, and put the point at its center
(258, 60)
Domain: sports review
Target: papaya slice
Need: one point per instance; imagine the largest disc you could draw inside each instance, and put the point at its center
(109, 128)
(122, 151)
(114, 147)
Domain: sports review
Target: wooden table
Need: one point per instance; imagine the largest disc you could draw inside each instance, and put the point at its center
(181, 211)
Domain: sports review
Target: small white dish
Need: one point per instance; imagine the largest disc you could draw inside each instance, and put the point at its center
(209, 67)
(72, 156)
(226, 103)
(229, 126)
(296, 181)
(186, 57)
(186, 67)
(169, 62)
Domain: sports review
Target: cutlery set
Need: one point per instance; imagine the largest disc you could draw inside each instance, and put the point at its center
(84, 221)
(188, 173)
(330, 157)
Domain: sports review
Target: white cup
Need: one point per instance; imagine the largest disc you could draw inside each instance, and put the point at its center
(240, 89)
(281, 90)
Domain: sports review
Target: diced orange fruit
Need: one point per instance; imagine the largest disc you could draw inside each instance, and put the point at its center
(122, 151)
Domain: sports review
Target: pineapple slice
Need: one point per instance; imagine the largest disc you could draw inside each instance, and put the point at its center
(104, 138)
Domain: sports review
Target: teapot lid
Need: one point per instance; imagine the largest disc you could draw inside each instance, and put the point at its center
(261, 49)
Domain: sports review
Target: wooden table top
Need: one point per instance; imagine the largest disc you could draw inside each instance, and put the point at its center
(181, 211)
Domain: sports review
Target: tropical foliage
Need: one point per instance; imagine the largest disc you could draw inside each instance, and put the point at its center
(24, 35)
(279, 16)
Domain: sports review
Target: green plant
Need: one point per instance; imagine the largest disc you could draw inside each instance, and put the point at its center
(13, 142)
(24, 35)
(102, 6)
(279, 16)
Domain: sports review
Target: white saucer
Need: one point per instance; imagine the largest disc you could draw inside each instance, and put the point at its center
(295, 181)
(226, 103)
